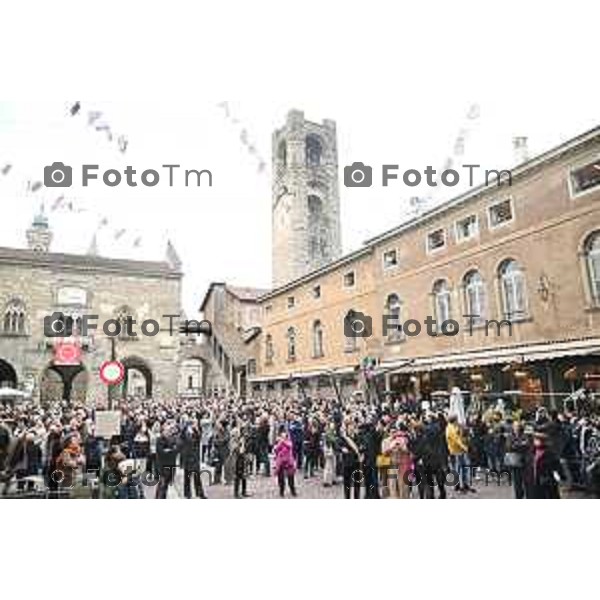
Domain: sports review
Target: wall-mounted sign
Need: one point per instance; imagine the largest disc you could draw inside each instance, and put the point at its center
(112, 372)
(71, 296)
(67, 354)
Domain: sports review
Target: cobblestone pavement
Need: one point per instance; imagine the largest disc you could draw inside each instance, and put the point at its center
(261, 487)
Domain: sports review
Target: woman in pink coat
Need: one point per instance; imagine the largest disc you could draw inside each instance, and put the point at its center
(285, 464)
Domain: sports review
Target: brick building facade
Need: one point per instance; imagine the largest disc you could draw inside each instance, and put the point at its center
(527, 253)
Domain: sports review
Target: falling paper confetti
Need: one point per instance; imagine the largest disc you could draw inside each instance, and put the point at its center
(459, 146)
(244, 136)
(123, 143)
(57, 203)
(93, 116)
(225, 106)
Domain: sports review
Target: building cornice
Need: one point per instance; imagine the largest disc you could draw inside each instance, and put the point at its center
(475, 193)
(332, 266)
(86, 263)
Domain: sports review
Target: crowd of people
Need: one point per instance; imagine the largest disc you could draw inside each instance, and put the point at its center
(390, 448)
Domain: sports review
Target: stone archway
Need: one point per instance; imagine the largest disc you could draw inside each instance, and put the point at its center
(138, 377)
(8, 375)
(64, 382)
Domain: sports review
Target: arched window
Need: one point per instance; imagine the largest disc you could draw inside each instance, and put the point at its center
(393, 311)
(474, 290)
(291, 343)
(269, 350)
(318, 228)
(315, 207)
(15, 318)
(317, 339)
(282, 152)
(592, 259)
(314, 151)
(441, 301)
(513, 290)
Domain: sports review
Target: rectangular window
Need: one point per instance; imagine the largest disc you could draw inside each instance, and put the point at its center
(500, 213)
(467, 228)
(349, 279)
(316, 292)
(586, 178)
(390, 259)
(436, 240)
(252, 367)
(291, 302)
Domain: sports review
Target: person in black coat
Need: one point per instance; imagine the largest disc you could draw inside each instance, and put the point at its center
(220, 450)
(166, 460)
(263, 446)
(370, 439)
(431, 458)
(25, 460)
(240, 464)
(312, 440)
(519, 459)
(546, 469)
(351, 460)
(54, 448)
(5, 439)
(191, 440)
(93, 453)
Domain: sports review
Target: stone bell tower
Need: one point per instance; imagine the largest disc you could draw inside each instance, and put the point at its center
(39, 235)
(306, 203)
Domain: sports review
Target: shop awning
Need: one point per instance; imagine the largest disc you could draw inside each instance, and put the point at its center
(303, 375)
(512, 354)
